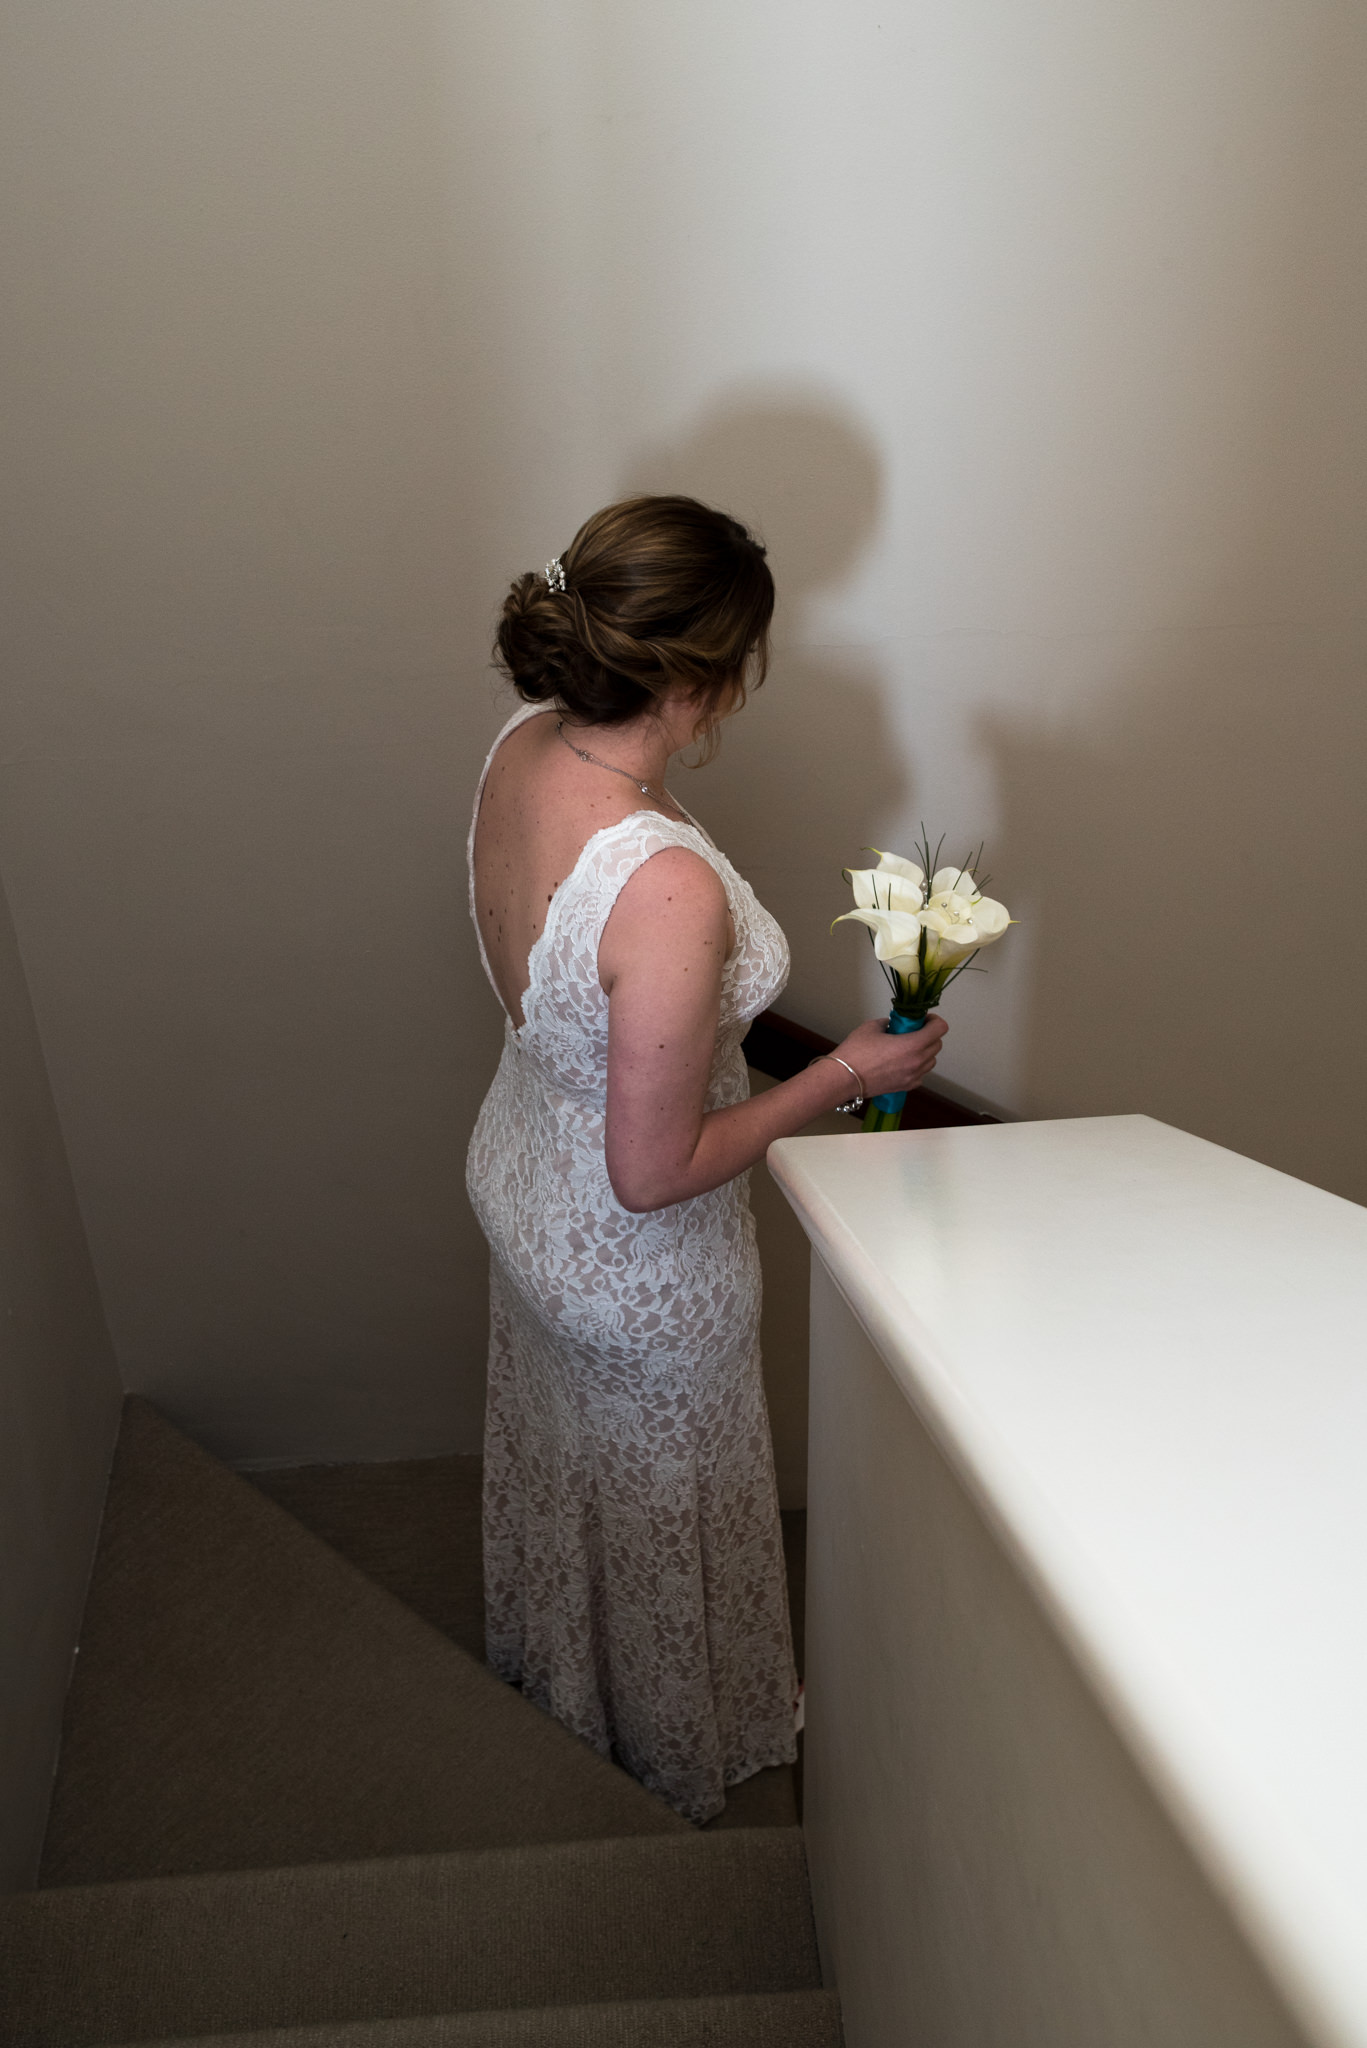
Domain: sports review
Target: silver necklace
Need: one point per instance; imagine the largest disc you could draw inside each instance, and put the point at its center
(660, 795)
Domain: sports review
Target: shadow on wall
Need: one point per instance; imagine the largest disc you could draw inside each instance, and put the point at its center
(1198, 865)
(811, 759)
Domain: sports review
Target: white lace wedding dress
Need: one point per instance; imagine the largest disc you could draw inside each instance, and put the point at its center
(633, 1561)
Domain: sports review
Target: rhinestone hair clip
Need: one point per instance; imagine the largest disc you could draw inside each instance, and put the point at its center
(555, 575)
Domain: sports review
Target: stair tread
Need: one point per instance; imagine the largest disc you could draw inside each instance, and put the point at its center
(664, 1916)
(415, 1527)
(244, 1697)
(780, 2019)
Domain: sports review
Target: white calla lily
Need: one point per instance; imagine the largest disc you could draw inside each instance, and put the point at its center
(896, 938)
(953, 882)
(950, 935)
(893, 864)
(991, 918)
(893, 885)
(964, 921)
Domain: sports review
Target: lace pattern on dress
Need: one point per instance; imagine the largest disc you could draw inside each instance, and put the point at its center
(633, 1558)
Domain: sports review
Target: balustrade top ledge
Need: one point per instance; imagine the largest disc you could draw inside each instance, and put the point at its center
(1148, 1358)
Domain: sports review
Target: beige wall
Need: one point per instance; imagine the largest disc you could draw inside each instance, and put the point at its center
(1030, 335)
(257, 561)
(59, 1410)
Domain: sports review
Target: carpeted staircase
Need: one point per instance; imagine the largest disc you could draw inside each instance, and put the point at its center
(291, 1810)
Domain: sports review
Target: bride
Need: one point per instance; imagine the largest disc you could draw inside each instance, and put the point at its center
(633, 1562)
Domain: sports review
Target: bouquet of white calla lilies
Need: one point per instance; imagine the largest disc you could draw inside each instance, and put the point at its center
(924, 935)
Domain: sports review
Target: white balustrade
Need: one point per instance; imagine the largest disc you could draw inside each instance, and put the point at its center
(1087, 1590)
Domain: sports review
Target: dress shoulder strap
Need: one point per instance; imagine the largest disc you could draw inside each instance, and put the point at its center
(519, 717)
(612, 856)
(565, 957)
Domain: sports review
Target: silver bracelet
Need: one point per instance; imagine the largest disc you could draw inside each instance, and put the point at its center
(844, 1108)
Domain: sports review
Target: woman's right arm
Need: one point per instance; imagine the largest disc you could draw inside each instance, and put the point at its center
(660, 961)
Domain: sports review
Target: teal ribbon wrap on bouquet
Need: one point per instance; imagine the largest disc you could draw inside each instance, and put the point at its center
(884, 1112)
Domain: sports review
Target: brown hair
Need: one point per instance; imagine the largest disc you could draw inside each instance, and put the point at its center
(657, 591)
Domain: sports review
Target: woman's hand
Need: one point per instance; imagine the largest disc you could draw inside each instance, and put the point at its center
(889, 1063)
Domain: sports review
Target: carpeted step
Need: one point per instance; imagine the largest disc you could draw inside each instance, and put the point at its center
(781, 2019)
(415, 1527)
(244, 1697)
(569, 1924)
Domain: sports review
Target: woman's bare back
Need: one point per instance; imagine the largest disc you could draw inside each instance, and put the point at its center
(540, 808)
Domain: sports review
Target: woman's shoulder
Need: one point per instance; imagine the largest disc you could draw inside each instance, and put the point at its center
(669, 895)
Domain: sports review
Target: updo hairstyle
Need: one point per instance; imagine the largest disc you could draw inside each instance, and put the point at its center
(658, 591)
